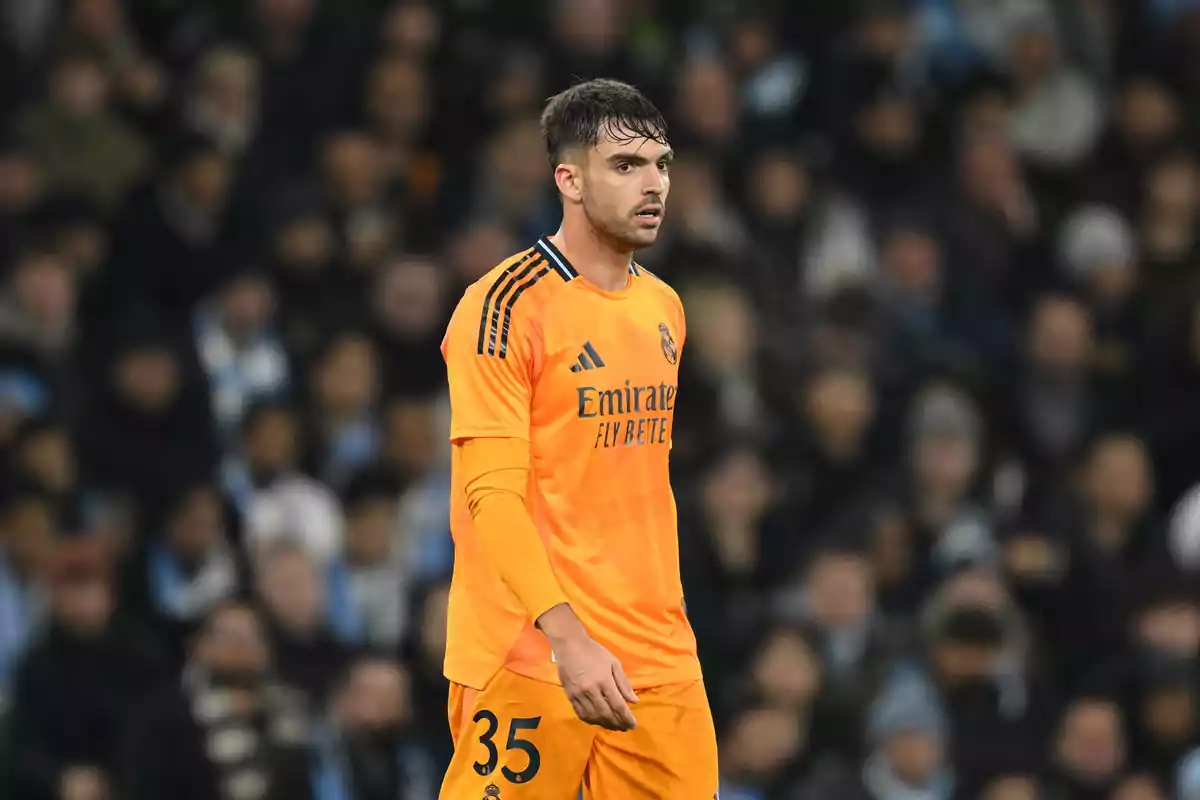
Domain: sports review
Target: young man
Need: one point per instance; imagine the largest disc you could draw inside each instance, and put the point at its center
(571, 659)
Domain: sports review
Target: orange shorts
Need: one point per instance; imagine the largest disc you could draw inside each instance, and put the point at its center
(519, 739)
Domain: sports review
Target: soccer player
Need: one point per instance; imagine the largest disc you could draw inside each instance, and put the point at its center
(571, 659)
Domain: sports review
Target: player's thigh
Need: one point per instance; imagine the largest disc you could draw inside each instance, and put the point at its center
(517, 738)
(672, 753)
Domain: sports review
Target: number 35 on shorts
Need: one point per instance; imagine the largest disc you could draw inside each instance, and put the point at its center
(517, 726)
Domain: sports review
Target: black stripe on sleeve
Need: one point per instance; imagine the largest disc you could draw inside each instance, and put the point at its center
(512, 301)
(483, 315)
(494, 325)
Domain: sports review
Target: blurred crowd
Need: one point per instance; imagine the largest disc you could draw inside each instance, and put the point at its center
(936, 453)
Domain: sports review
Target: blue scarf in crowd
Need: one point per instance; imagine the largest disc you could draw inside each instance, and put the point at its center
(345, 616)
(18, 619)
(184, 597)
(883, 784)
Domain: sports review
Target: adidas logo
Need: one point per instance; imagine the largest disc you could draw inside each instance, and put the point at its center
(588, 359)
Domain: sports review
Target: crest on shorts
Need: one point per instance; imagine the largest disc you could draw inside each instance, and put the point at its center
(491, 791)
(670, 353)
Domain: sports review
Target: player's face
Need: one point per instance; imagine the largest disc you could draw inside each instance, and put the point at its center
(625, 188)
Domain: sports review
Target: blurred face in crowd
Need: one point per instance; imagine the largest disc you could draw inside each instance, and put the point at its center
(398, 98)
(987, 113)
(412, 29)
(779, 189)
(840, 405)
(751, 43)
(479, 247)
(912, 263)
(1091, 742)
(20, 181)
(304, 245)
(976, 588)
(1173, 189)
(738, 488)
(370, 531)
(98, 20)
(83, 246)
(1117, 478)
(1139, 787)
(198, 524)
(375, 699)
(761, 743)
(409, 297)
(30, 531)
(272, 443)
(588, 27)
(1147, 114)
(960, 663)
(1171, 627)
(347, 379)
(915, 756)
(1012, 787)
(889, 126)
(724, 334)
(884, 35)
(946, 464)
(233, 649)
(229, 87)
(45, 289)
(83, 604)
(989, 169)
(292, 591)
(707, 100)
(79, 88)
(840, 591)
(247, 305)
(352, 170)
(518, 88)
(1169, 715)
(786, 672)
(47, 456)
(515, 161)
(1060, 336)
(148, 379)
(414, 439)
(621, 185)
(1034, 54)
(697, 196)
(287, 15)
(204, 180)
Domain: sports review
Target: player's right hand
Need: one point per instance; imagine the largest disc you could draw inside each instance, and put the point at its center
(595, 684)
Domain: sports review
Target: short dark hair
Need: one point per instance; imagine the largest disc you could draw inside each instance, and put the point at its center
(579, 116)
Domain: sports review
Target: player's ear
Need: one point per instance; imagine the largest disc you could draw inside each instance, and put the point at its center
(568, 178)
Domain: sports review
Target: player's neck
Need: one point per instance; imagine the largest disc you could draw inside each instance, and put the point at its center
(595, 258)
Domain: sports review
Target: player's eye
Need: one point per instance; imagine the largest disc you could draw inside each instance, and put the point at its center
(624, 166)
(663, 166)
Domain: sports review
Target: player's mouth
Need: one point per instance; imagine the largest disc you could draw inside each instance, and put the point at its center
(650, 214)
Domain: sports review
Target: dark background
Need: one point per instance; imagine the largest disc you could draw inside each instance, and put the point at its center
(935, 438)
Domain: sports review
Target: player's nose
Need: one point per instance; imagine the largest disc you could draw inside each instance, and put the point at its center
(655, 183)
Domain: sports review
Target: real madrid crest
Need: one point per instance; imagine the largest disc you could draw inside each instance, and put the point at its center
(670, 353)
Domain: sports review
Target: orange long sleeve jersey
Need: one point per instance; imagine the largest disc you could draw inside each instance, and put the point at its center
(562, 398)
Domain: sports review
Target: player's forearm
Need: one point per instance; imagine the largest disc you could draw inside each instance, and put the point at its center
(497, 472)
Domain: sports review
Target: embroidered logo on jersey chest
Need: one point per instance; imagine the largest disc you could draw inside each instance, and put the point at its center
(670, 352)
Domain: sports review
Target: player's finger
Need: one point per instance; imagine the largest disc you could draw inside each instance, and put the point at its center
(604, 715)
(623, 683)
(587, 708)
(581, 710)
(617, 706)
